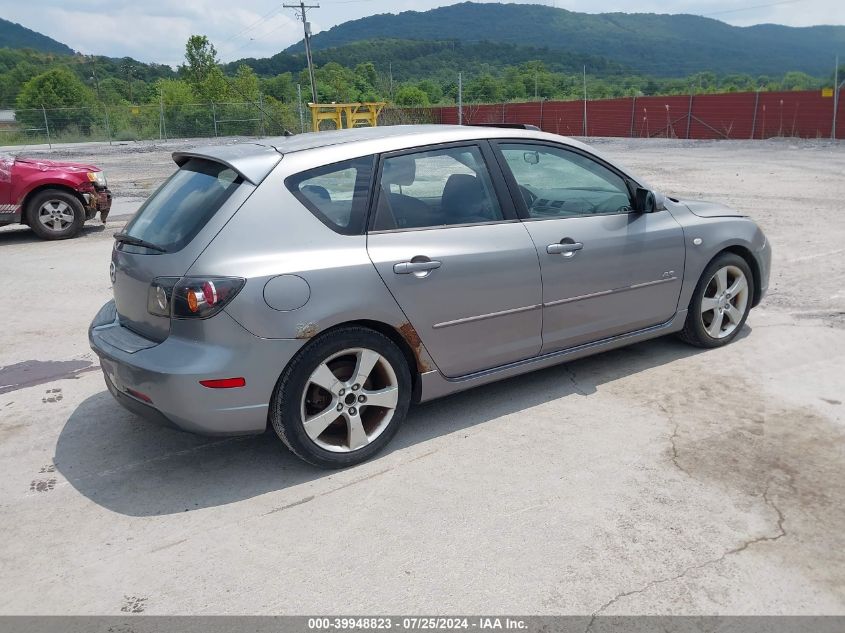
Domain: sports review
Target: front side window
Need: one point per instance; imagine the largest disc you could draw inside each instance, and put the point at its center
(438, 187)
(337, 194)
(558, 183)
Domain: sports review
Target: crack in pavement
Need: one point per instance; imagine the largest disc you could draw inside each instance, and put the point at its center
(673, 440)
(781, 532)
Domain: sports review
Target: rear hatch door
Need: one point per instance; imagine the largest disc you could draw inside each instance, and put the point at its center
(172, 228)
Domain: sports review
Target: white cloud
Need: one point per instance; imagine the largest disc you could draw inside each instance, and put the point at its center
(156, 30)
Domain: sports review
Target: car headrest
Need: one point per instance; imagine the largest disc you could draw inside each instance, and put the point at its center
(400, 170)
(463, 195)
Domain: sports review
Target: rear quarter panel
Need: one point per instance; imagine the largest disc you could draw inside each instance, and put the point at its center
(273, 235)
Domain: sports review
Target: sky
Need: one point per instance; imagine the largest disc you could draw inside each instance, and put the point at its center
(156, 30)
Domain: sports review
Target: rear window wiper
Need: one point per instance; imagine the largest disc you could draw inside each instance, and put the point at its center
(137, 241)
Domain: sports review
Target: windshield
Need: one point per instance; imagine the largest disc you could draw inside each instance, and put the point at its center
(184, 204)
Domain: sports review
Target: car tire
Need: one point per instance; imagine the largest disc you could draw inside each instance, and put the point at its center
(720, 303)
(325, 413)
(54, 214)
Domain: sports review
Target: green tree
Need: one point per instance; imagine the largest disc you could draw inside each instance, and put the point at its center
(175, 92)
(432, 90)
(214, 88)
(335, 83)
(799, 81)
(281, 87)
(245, 85)
(411, 96)
(56, 88)
(514, 87)
(484, 89)
(200, 60)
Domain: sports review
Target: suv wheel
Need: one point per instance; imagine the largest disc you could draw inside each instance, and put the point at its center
(721, 302)
(342, 398)
(55, 215)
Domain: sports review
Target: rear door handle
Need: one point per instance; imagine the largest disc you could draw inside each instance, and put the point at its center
(567, 249)
(407, 268)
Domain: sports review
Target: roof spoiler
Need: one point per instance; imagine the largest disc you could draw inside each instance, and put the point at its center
(252, 162)
(510, 126)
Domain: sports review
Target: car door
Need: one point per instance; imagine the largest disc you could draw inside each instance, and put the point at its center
(607, 269)
(447, 243)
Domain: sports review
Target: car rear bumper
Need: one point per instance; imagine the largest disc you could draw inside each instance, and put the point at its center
(168, 374)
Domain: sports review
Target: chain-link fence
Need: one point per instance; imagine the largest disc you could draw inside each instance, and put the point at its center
(807, 114)
(150, 121)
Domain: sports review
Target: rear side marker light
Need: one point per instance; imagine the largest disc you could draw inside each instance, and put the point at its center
(140, 396)
(224, 383)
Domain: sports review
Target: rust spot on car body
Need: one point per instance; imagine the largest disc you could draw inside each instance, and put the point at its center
(409, 333)
(306, 330)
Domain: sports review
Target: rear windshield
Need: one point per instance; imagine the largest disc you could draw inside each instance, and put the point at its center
(175, 213)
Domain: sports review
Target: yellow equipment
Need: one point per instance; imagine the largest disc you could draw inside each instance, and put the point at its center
(354, 114)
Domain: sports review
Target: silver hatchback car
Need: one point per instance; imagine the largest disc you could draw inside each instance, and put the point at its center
(324, 282)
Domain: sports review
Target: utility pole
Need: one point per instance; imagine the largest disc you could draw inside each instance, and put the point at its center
(836, 88)
(301, 9)
(94, 76)
(160, 113)
(128, 68)
(585, 101)
(299, 104)
(460, 100)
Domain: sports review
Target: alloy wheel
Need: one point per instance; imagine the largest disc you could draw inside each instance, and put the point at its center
(724, 302)
(55, 215)
(349, 400)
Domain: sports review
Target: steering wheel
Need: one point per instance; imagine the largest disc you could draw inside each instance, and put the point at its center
(529, 196)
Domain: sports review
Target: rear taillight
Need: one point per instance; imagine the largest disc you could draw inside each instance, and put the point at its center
(191, 297)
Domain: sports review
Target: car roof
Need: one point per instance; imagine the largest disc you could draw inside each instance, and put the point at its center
(254, 160)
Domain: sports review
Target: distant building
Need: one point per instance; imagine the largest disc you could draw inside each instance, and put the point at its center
(7, 120)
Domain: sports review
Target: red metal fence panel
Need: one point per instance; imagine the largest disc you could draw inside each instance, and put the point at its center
(738, 115)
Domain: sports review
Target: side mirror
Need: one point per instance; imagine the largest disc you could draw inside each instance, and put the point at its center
(646, 201)
(532, 158)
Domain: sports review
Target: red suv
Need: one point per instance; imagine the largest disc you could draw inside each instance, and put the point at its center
(53, 198)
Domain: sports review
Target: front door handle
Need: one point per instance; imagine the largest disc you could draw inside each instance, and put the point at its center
(407, 268)
(565, 247)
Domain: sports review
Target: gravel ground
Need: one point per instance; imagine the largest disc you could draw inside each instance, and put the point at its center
(655, 479)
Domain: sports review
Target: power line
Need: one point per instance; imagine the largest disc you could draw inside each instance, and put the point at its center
(251, 26)
(256, 38)
(757, 6)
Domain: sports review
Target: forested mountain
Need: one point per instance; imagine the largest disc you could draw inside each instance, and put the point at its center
(410, 60)
(13, 35)
(662, 45)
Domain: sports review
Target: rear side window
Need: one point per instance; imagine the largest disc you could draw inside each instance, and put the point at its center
(337, 194)
(184, 204)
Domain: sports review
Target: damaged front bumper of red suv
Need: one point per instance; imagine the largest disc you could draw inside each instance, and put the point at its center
(96, 200)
